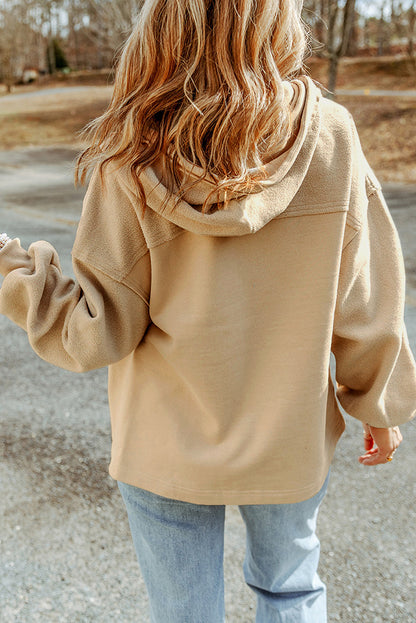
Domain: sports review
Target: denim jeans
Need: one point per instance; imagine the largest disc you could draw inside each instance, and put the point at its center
(180, 549)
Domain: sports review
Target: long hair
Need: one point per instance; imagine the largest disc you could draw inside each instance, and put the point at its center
(201, 81)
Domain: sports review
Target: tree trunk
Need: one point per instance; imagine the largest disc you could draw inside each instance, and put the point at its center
(73, 37)
(8, 72)
(347, 26)
(352, 43)
(332, 75)
(51, 57)
(411, 35)
(411, 53)
(336, 52)
(320, 32)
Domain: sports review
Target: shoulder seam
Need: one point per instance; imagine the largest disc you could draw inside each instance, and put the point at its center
(137, 292)
(115, 275)
(161, 238)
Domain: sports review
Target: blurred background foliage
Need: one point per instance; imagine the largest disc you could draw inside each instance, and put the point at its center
(43, 37)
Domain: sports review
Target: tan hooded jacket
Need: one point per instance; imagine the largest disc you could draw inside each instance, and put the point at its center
(218, 327)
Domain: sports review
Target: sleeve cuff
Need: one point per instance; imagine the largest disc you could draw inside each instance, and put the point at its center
(13, 256)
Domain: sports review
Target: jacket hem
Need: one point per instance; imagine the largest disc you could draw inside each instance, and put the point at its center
(228, 497)
(219, 497)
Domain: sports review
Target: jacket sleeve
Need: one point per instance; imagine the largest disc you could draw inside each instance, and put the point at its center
(102, 315)
(375, 369)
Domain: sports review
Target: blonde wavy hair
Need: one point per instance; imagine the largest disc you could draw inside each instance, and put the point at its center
(201, 81)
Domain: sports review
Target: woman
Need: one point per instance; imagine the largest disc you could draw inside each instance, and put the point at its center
(232, 236)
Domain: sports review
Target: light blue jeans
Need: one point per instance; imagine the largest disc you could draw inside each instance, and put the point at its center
(180, 549)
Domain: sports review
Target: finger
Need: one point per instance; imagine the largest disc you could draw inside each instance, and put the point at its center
(368, 442)
(368, 438)
(375, 458)
(385, 442)
(371, 451)
(365, 457)
(387, 450)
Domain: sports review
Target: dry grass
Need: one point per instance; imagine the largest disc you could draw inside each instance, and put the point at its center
(396, 74)
(387, 130)
(386, 125)
(49, 119)
(46, 128)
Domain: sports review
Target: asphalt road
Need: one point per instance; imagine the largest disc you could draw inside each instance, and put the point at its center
(65, 551)
(53, 91)
(378, 92)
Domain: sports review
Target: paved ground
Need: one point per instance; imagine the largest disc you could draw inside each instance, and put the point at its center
(378, 92)
(52, 98)
(65, 552)
(50, 91)
(76, 90)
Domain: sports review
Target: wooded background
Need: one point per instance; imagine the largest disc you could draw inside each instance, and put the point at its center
(39, 37)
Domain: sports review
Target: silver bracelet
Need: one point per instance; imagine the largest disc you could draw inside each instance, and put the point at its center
(4, 239)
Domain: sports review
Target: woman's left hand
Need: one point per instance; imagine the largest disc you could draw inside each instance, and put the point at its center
(380, 444)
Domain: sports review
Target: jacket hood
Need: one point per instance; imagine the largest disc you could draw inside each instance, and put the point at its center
(249, 213)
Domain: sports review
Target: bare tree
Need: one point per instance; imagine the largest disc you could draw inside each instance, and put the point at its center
(353, 40)
(411, 31)
(337, 43)
(93, 30)
(110, 23)
(314, 15)
(50, 15)
(7, 44)
(384, 29)
(331, 22)
(403, 18)
(18, 39)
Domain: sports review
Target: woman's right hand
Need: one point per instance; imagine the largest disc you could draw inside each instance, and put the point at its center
(380, 444)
